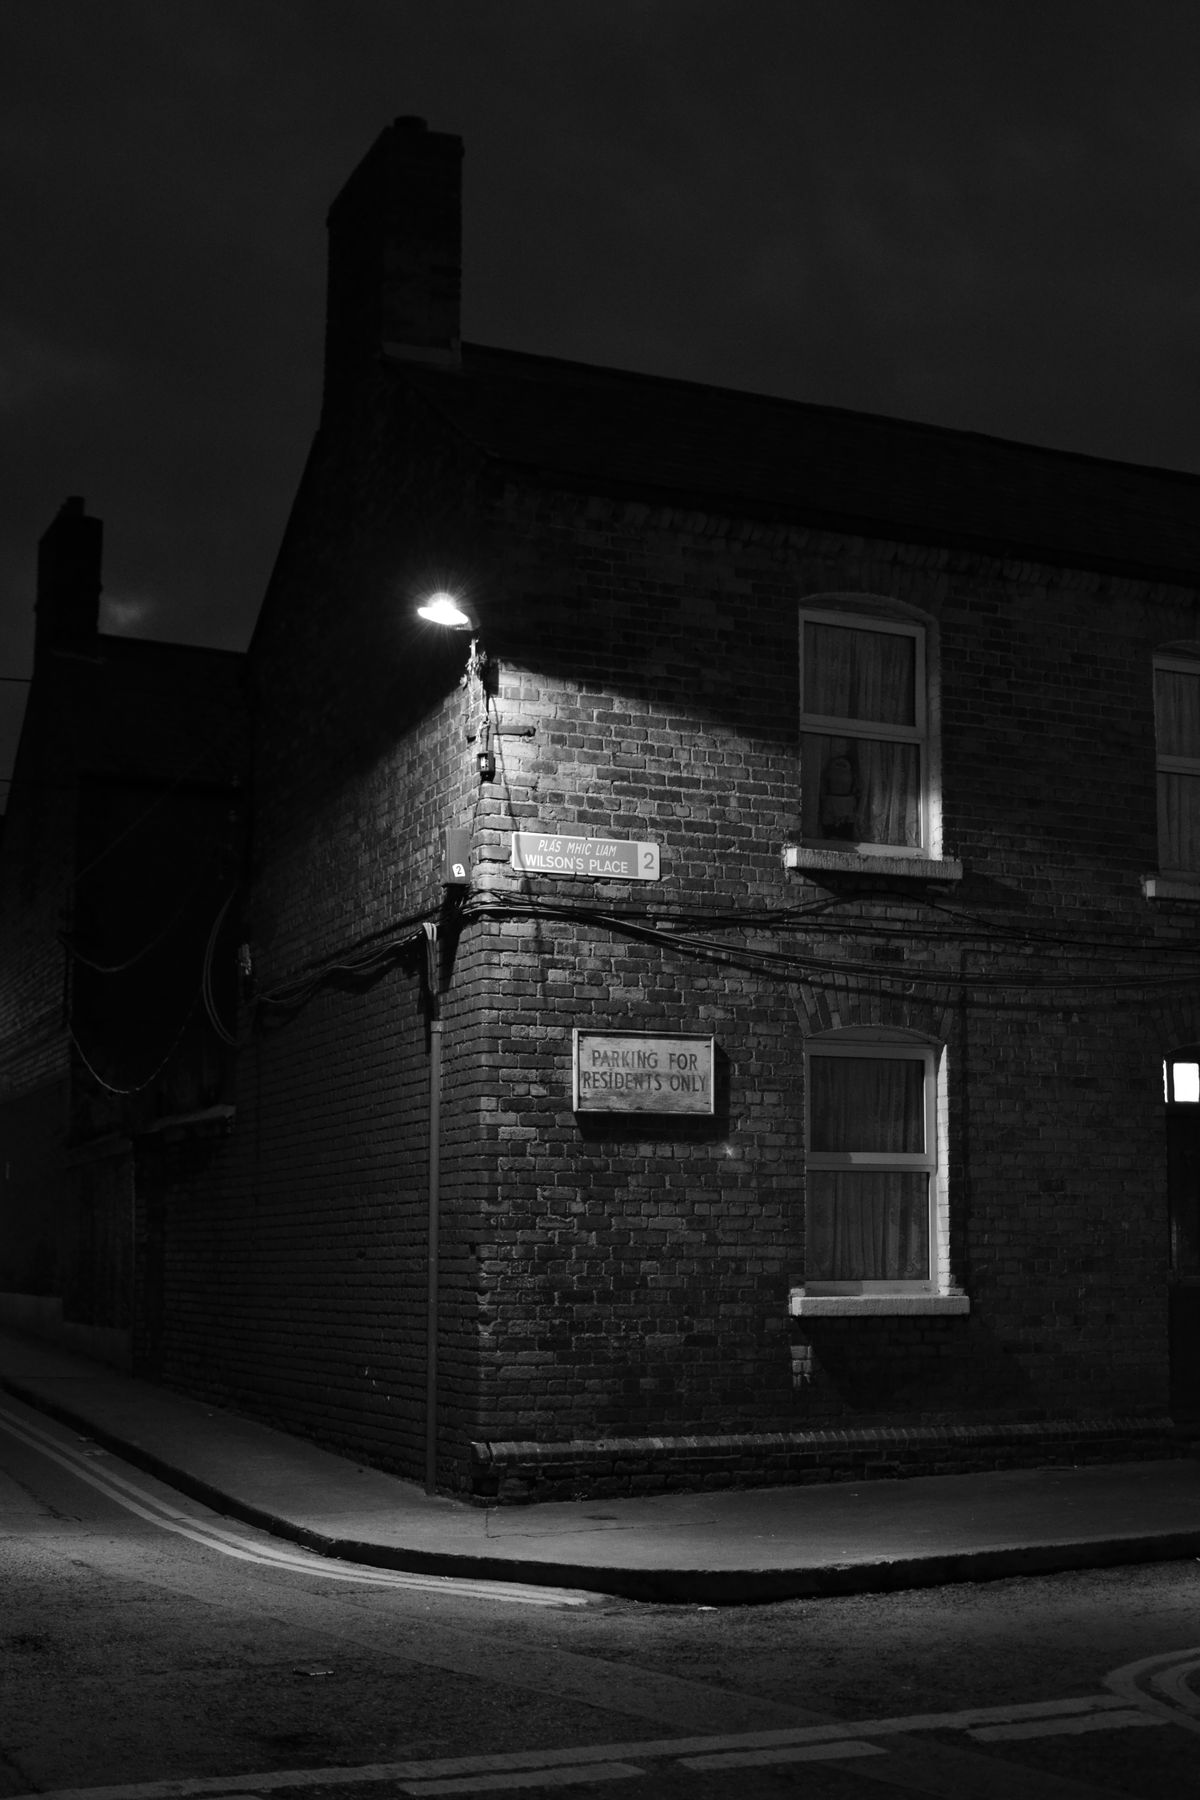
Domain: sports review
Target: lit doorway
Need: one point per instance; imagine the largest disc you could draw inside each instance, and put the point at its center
(1181, 1081)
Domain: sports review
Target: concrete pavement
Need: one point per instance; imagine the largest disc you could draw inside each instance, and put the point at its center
(717, 1548)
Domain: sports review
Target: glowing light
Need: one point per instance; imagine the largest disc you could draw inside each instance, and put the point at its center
(443, 609)
(1187, 1083)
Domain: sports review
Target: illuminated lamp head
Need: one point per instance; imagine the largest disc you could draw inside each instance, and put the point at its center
(443, 609)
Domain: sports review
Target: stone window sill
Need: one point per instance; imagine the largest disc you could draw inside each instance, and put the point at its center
(859, 1306)
(871, 862)
(1171, 887)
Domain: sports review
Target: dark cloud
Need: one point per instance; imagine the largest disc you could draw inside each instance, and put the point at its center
(980, 216)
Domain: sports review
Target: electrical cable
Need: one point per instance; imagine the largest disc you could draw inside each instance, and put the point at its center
(981, 929)
(206, 981)
(678, 932)
(796, 965)
(152, 943)
(294, 991)
(139, 1087)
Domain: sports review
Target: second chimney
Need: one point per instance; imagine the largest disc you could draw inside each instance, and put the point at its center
(68, 580)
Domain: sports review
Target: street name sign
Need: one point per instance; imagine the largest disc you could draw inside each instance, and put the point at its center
(569, 853)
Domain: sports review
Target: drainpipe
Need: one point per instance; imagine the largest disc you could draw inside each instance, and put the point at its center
(434, 1205)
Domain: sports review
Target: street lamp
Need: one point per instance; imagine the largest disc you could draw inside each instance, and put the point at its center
(443, 609)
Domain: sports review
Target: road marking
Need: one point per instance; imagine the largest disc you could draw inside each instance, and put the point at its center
(1161, 1683)
(135, 1499)
(474, 1784)
(1175, 1683)
(843, 1739)
(1034, 1728)
(754, 1759)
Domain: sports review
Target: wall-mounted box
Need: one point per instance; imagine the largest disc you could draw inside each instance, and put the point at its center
(456, 857)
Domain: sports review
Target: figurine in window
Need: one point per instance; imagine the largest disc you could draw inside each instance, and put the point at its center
(839, 799)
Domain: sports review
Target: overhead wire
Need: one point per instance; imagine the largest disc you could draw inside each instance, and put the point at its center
(799, 965)
(139, 1086)
(207, 991)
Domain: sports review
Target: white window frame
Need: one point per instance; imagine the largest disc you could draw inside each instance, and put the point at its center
(935, 1292)
(826, 725)
(1173, 765)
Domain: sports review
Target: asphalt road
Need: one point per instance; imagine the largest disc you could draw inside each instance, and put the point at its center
(150, 1649)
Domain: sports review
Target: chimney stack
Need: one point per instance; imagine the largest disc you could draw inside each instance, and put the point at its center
(395, 256)
(68, 580)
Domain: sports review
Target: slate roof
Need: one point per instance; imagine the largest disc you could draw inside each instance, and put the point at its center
(744, 454)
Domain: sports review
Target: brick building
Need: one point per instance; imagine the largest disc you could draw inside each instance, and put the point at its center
(119, 860)
(708, 1015)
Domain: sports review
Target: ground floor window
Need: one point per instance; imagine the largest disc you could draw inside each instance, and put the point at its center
(871, 1164)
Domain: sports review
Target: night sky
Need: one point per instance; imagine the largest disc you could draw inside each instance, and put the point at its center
(981, 213)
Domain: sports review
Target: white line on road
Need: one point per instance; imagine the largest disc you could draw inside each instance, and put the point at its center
(755, 1759)
(1176, 1684)
(1144, 1683)
(147, 1506)
(1033, 1728)
(835, 1737)
(487, 1784)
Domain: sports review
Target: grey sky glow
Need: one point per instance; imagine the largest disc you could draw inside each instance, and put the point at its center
(979, 215)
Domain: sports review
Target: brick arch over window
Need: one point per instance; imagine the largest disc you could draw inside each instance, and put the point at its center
(870, 726)
(875, 1165)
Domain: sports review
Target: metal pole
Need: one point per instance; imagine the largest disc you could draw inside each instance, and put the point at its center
(431, 1307)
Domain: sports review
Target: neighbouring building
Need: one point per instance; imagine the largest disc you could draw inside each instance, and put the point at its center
(118, 869)
(723, 982)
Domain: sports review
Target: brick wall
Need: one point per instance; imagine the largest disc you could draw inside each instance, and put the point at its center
(654, 1265)
(294, 1262)
(608, 1281)
(124, 744)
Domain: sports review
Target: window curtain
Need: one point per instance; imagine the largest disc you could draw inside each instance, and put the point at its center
(868, 676)
(1177, 712)
(885, 784)
(868, 1225)
(1177, 721)
(1179, 822)
(874, 1104)
(853, 674)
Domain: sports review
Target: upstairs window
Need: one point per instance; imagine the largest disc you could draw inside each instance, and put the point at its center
(864, 734)
(1177, 730)
(871, 1167)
